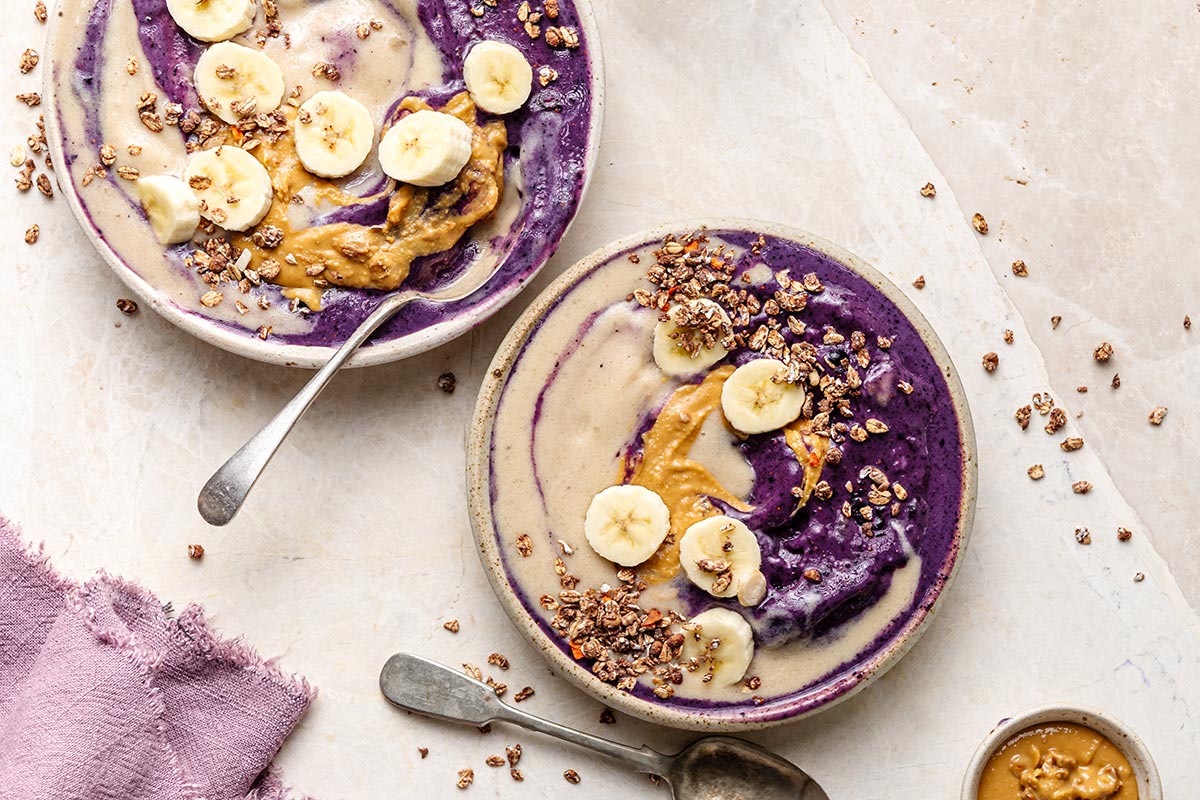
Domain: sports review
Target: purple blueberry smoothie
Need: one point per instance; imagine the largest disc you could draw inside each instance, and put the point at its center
(858, 514)
(110, 53)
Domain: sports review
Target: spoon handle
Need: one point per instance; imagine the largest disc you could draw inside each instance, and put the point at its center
(642, 760)
(222, 497)
(435, 690)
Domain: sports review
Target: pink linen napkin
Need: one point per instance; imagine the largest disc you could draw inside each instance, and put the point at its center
(105, 696)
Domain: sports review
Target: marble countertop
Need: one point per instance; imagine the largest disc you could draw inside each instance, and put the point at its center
(1070, 128)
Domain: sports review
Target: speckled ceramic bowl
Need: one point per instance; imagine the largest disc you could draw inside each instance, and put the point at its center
(848, 679)
(554, 171)
(1148, 783)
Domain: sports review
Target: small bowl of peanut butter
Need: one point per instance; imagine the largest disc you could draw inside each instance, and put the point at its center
(1062, 753)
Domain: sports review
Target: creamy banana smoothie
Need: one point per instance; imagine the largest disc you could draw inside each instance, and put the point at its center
(276, 163)
(725, 469)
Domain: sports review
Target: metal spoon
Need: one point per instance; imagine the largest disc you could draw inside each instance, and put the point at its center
(712, 768)
(222, 497)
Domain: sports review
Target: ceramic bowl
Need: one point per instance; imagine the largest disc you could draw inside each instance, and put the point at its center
(114, 222)
(845, 681)
(1148, 783)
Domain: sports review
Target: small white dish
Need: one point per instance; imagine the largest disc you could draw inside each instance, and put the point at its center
(1149, 785)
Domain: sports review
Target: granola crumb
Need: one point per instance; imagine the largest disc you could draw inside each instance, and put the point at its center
(1054, 321)
(447, 382)
(571, 776)
(919, 283)
(1157, 415)
(497, 660)
(516, 775)
(43, 185)
(1116, 381)
(1103, 352)
(1124, 534)
(1057, 421)
(39, 11)
(547, 75)
(195, 551)
(362, 30)
(1083, 536)
(32, 233)
(928, 190)
(29, 60)
(1138, 577)
(131, 66)
(551, 8)
(525, 545)
(1009, 336)
(451, 625)
(424, 751)
(30, 99)
(1071, 443)
(465, 778)
(607, 717)
(1187, 323)
(1081, 389)
(323, 69)
(494, 761)
(513, 754)
(211, 299)
(1081, 487)
(991, 361)
(523, 695)
(1037, 472)
(1020, 269)
(126, 306)
(979, 224)
(1023, 415)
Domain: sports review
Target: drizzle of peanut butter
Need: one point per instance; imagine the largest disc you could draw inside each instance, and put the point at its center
(420, 221)
(686, 485)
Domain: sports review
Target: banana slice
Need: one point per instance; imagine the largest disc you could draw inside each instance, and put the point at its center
(497, 76)
(718, 553)
(427, 148)
(235, 81)
(754, 403)
(626, 524)
(723, 642)
(171, 206)
(674, 359)
(233, 186)
(212, 20)
(334, 133)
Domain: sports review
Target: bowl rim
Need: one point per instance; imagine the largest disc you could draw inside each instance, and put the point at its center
(316, 356)
(1149, 783)
(730, 718)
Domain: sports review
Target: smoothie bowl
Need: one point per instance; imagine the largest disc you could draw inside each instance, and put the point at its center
(721, 478)
(263, 172)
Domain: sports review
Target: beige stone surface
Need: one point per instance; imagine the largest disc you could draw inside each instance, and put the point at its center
(356, 542)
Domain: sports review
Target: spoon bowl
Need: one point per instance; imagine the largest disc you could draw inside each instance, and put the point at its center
(712, 768)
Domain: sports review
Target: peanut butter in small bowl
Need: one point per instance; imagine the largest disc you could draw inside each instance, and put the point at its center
(1061, 753)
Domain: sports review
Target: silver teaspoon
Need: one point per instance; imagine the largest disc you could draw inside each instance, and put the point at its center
(222, 497)
(712, 768)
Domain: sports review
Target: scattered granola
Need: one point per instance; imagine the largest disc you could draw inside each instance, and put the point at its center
(126, 306)
(1009, 336)
(451, 625)
(323, 69)
(1081, 389)
(1071, 443)
(1081, 487)
(1083, 536)
(1054, 322)
(928, 190)
(424, 751)
(29, 60)
(1138, 577)
(497, 660)
(513, 754)
(1023, 415)
(571, 776)
(195, 551)
(43, 185)
(1187, 322)
(30, 99)
(919, 283)
(516, 775)
(465, 778)
(525, 545)
(1103, 352)
(1019, 269)
(547, 75)
(494, 761)
(979, 223)
(1058, 420)
(447, 382)
(39, 11)
(32, 233)
(1158, 415)
(1037, 472)
(211, 299)
(1116, 380)
(991, 361)
(607, 717)
(1124, 534)
(523, 695)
